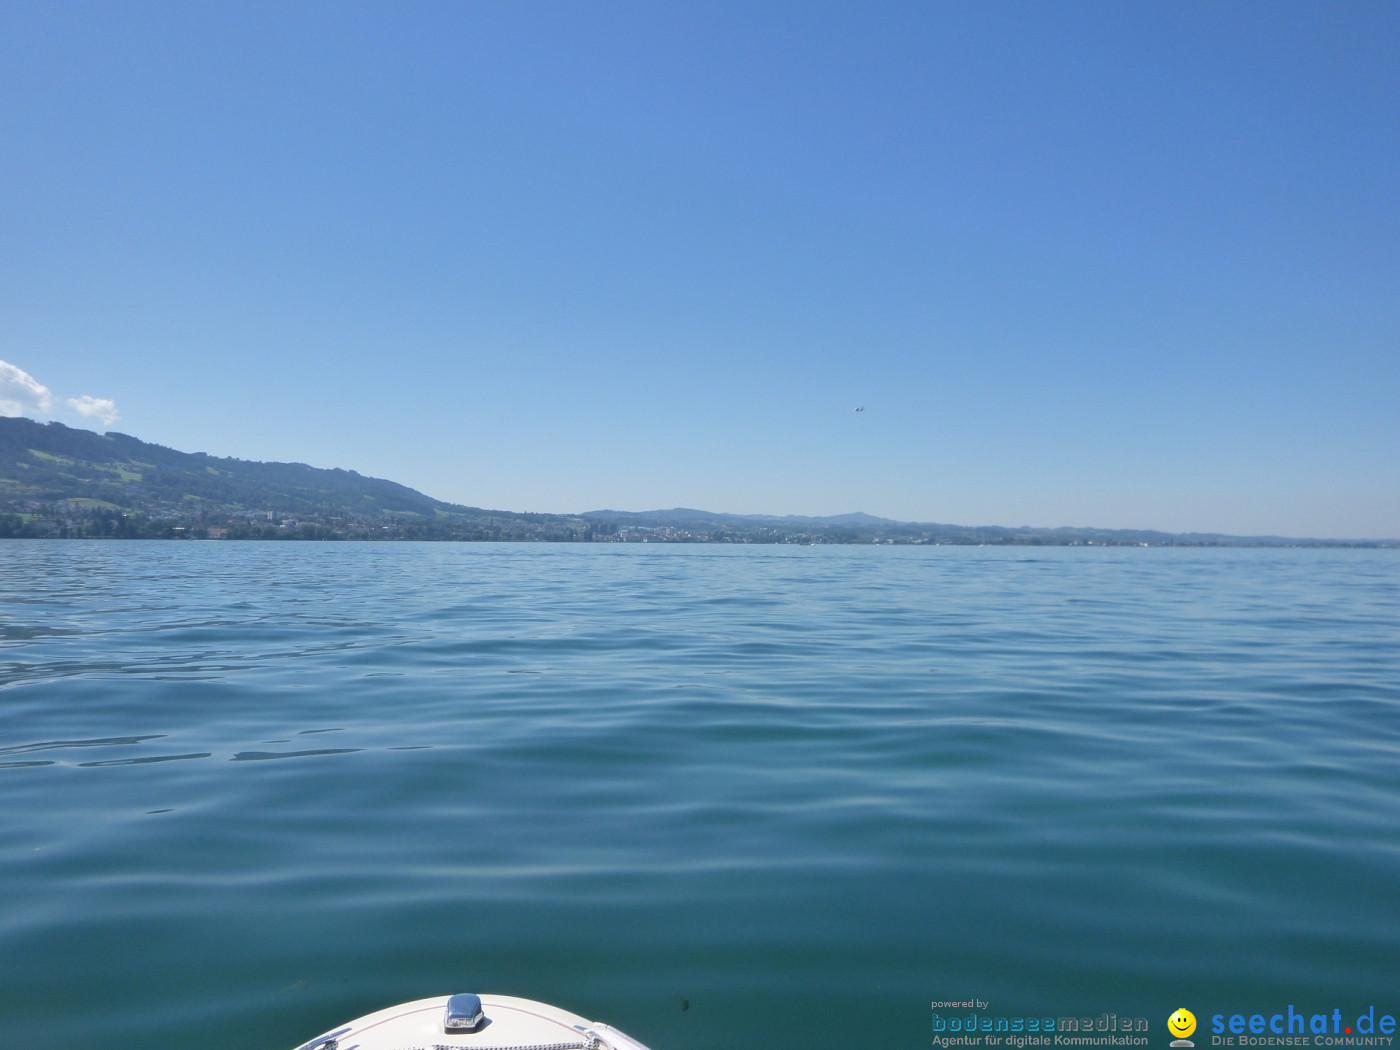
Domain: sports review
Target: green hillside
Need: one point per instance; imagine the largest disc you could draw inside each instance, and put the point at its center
(47, 462)
(59, 482)
(55, 480)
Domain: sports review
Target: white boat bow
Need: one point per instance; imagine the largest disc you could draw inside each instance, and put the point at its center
(486, 1022)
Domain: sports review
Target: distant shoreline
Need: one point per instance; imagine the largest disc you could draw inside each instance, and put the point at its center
(57, 482)
(1225, 543)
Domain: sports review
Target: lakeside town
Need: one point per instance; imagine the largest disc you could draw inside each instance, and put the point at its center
(81, 519)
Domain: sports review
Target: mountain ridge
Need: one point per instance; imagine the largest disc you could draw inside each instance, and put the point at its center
(62, 481)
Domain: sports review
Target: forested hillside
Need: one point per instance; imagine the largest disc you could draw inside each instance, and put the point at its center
(55, 480)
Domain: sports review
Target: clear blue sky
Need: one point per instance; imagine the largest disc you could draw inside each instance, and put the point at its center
(1126, 265)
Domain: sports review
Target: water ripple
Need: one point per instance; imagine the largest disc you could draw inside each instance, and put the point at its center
(776, 778)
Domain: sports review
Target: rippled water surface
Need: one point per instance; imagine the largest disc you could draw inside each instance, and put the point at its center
(762, 797)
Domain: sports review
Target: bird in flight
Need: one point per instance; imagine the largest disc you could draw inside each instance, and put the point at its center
(861, 408)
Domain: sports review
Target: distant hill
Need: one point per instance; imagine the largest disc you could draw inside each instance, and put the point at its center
(49, 461)
(686, 514)
(58, 481)
(55, 480)
(683, 524)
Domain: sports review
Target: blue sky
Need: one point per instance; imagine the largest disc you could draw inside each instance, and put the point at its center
(1119, 265)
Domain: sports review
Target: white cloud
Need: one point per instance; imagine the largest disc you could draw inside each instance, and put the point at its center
(22, 394)
(95, 407)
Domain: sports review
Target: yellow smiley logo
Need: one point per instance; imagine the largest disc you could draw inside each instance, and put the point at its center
(1182, 1023)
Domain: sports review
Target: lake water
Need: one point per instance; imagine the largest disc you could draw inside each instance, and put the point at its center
(763, 797)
